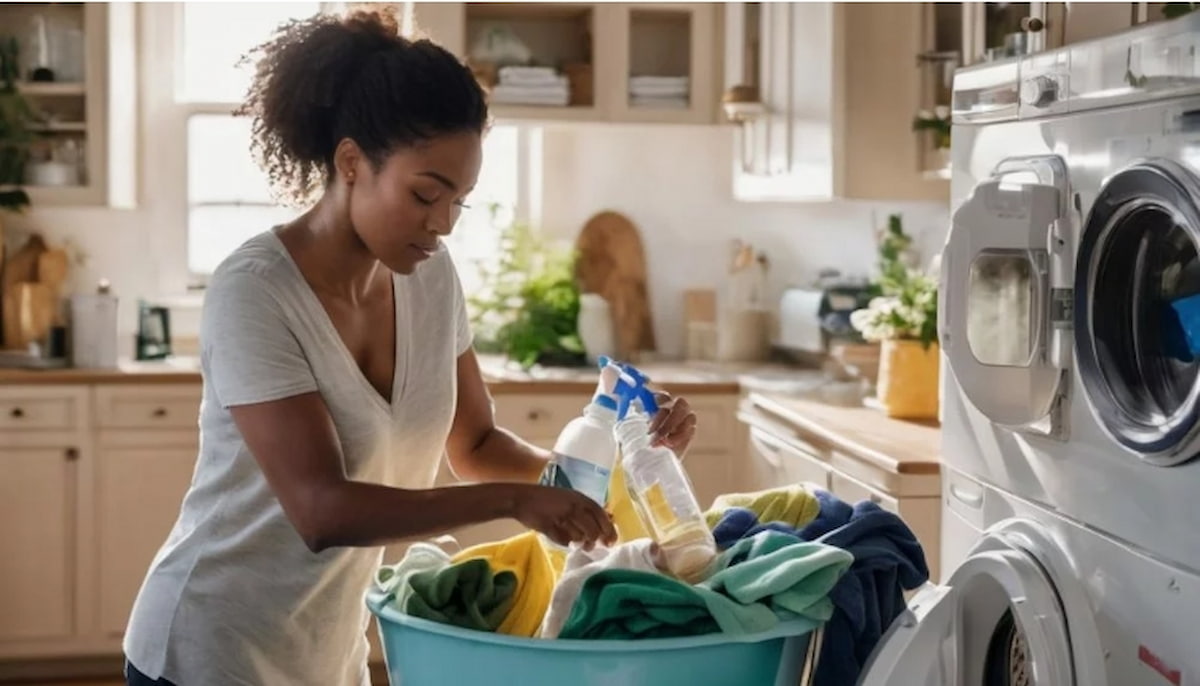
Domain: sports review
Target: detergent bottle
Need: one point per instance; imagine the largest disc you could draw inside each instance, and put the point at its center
(585, 451)
(658, 485)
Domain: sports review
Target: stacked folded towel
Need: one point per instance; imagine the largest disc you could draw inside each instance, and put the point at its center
(531, 86)
(659, 92)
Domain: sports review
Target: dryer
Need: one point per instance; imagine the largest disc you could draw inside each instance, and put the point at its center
(1076, 224)
(1070, 417)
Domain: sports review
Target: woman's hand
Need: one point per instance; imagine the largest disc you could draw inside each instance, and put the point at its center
(674, 425)
(564, 515)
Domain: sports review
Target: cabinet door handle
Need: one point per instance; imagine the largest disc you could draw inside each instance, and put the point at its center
(71, 454)
(160, 412)
(534, 415)
(16, 413)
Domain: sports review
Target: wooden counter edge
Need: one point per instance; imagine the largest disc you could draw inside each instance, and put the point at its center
(840, 440)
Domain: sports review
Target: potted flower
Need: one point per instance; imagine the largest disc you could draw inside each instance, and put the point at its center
(903, 319)
(938, 122)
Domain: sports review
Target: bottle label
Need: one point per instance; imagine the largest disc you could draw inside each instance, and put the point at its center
(586, 477)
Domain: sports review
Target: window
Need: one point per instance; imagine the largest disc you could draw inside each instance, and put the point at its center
(228, 197)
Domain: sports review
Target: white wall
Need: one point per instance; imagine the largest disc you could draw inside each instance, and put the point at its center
(674, 183)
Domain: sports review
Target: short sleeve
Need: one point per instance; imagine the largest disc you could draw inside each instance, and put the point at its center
(249, 351)
(463, 336)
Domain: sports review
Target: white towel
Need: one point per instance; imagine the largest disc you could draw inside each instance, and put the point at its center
(659, 103)
(393, 579)
(520, 82)
(658, 89)
(664, 81)
(529, 95)
(529, 75)
(642, 554)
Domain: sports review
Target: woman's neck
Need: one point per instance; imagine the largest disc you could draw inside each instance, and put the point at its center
(330, 253)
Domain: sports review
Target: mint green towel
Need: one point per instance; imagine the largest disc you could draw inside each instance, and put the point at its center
(762, 579)
(790, 576)
(467, 594)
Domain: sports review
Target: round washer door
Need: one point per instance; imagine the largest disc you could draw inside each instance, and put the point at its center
(998, 621)
(1137, 262)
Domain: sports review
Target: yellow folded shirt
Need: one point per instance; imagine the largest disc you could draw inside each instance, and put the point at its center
(793, 505)
(537, 570)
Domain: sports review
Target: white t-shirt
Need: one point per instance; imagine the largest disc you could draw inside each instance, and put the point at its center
(234, 596)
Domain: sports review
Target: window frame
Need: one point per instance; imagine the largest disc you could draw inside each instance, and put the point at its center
(179, 111)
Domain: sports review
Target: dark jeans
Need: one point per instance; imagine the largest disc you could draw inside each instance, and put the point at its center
(135, 678)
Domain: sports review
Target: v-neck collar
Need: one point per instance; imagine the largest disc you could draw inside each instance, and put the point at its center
(322, 315)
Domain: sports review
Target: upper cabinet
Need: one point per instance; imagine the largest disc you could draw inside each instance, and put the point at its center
(76, 72)
(597, 62)
(826, 95)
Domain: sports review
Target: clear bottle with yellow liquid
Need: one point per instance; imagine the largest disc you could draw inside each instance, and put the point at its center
(664, 499)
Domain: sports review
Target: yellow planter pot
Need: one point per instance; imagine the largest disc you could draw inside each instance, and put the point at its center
(908, 380)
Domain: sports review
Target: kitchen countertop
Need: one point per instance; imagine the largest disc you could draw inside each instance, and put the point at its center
(695, 378)
(895, 445)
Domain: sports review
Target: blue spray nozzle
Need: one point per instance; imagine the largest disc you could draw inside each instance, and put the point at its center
(631, 387)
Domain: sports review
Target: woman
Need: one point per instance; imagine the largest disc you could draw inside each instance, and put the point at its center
(336, 359)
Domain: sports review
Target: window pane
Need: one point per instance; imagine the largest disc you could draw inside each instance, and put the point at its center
(217, 34)
(214, 231)
(220, 166)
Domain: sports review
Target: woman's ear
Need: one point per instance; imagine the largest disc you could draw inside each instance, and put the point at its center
(348, 160)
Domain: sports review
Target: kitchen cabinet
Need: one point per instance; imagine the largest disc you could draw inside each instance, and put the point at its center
(838, 86)
(597, 47)
(146, 445)
(45, 457)
(855, 453)
(95, 478)
(36, 579)
(84, 150)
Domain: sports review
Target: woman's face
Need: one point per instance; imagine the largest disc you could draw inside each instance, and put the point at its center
(402, 209)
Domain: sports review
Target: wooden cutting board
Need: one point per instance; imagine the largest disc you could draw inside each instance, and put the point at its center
(612, 263)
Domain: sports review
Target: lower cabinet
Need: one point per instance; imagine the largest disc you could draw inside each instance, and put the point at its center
(94, 476)
(781, 453)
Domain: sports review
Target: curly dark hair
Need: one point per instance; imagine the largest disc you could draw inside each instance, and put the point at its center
(329, 77)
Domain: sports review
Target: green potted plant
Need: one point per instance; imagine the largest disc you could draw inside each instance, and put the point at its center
(903, 318)
(528, 307)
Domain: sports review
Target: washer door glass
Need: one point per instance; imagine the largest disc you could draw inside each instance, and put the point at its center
(1137, 262)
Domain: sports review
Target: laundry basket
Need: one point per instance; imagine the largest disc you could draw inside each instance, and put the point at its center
(424, 653)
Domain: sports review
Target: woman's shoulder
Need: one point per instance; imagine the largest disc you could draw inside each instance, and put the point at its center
(259, 263)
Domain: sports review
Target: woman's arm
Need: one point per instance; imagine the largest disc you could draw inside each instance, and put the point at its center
(295, 443)
(478, 449)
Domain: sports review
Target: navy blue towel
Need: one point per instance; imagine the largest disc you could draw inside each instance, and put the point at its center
(888, 561)
(738, 523)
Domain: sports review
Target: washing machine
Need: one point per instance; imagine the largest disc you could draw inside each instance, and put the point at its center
(1071, 399)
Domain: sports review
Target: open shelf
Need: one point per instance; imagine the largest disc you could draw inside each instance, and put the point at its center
(660, 69)
(555, 38)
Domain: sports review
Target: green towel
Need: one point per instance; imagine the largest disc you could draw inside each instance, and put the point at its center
(791, 576)
(765, 578)
(467, 594)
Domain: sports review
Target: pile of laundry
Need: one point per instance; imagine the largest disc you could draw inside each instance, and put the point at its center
(659, 92)
(518, 85)
(787, 554)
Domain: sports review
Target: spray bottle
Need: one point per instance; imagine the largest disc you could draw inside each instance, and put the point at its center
(658, 485)
(585, 451)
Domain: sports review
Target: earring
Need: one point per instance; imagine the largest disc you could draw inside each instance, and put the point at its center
(349, 177)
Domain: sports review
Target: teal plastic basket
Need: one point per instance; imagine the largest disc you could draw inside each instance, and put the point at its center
(419, 652)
